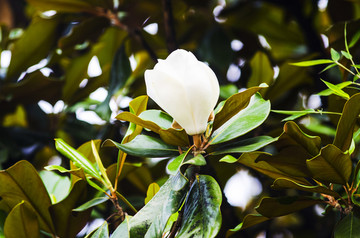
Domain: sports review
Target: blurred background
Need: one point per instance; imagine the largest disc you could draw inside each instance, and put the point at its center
(67, 68)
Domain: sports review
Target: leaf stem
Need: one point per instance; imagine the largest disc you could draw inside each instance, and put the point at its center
(126, 202)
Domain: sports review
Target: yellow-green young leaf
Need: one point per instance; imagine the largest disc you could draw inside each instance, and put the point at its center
(336, 90)
(335, 56)
(101, 166)
(328, 91)
(21, 222)
(312, 62)
(152, 190)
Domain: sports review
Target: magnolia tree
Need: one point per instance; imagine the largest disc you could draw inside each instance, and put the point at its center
(158, 164)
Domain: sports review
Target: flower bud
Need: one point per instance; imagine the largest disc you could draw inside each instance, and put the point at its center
(185, 88)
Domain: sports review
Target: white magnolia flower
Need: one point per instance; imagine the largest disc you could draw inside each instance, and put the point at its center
(185, 88)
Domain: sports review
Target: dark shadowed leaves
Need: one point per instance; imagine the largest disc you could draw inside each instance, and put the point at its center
(348, 227)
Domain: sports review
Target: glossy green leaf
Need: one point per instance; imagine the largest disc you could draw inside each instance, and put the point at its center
(331, 165)
(348, 227)
(294, 114)
(241, 123)
(235, 104)
(335, 56)
(328, 91)
(282, 183)
(62, 5)
(56, 185)
(202, 216)
(250, 160)
(67, 222)
(174, 166)
(21, 182)
(198, 160)
(79, 172)
(92, 203)
(152, 218)
(22, 222)
(160, 118)
(33, 46)
(346, 54)
(170, 135)
(152, 190)
(249, 220)
(243, 146)
(261, 71)
(101, 232)
(312, 62)
(345, 127)
(336, 90)
(86, 149)
(294, 147)
(275, 207)
(146, 146)
(79, 160)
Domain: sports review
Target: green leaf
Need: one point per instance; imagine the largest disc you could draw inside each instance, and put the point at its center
(282, 183)
(261, 71)
(336, 90)
(198, 160)
(152, 190)
(354, 39)
(328, 92)
(275, 207)
(346, 54)
(152, 218)
(56, 185)
(62, 5)
(294, 147)
(79, 160)
(202, 217)
(348, 227)
(33, 46)
(331, 165)
(345, 127)
(170, 136)
(101, 232)
(335, 56)
(174, 166)
(22, 222)
(312, 62)
(92, 203)
(234, 104)
(21, 182)
(228, 90)
(79, 172)
(159, 117)
(67, 222)
(249, 220)
(146, 146)
(243, 146)
(244, 121)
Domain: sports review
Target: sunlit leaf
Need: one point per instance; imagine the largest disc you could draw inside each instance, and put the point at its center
(235, 104)
(22, 222)
(56, 185)
(328, 91)
(146, 146)
(241, 123)
(202, 217)
(335, 56)
(346, 54)
(331, 165)
(312, 62)
(152, 190)
(174, 166)
(79, 159)
(77, 172)
(336, 90)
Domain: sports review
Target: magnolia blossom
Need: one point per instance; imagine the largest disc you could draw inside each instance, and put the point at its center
(185, 88)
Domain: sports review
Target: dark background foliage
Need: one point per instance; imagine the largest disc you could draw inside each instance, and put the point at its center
(294, 31)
